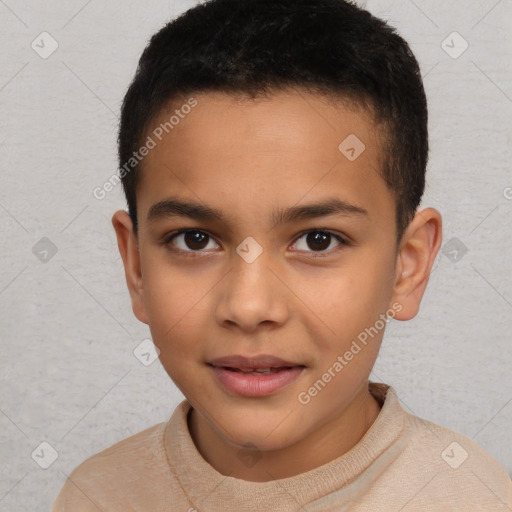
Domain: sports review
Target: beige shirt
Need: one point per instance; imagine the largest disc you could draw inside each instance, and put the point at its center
(403, 463)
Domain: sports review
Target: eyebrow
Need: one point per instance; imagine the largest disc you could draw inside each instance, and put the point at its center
(173, 207)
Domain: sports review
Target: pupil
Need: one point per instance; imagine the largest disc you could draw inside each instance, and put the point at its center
(195, 239)
(316, 238)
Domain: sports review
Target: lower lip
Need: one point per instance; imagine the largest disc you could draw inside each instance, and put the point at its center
(246, 384)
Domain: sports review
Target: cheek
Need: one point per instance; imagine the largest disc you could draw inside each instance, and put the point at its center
(168, 290)
(169, 303)
(355, 296)
(175, 331)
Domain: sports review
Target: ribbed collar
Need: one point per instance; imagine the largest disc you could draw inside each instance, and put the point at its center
(209, 490)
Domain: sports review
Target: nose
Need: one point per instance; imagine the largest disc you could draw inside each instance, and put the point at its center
(252, 296)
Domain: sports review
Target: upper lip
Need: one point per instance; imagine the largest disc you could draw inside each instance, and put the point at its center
(252, 363)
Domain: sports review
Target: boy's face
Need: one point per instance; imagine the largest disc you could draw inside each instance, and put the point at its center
(304, 299)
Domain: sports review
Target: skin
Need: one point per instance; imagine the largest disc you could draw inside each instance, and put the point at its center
(305, 305)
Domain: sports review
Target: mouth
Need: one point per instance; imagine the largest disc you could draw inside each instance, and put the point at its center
(256, 376)
(259, 371)
(263, 362)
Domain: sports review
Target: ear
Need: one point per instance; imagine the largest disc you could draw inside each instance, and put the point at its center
(129, 250)
(417, 252)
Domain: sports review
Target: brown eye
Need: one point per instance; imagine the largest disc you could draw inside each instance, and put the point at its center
(195, 239)
(191, 240)
(318, 241)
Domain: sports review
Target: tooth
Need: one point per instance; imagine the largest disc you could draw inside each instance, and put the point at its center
(257, 371)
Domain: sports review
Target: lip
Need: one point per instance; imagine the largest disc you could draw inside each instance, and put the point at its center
(252, 363)
(250, 385)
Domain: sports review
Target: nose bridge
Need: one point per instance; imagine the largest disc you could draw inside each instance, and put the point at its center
(252, 294)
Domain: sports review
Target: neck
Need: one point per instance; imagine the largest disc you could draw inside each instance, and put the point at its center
(331, 440)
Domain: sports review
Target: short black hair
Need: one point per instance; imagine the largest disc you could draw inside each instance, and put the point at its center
(255, 47)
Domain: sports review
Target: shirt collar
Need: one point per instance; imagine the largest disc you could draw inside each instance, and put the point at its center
(207, 489)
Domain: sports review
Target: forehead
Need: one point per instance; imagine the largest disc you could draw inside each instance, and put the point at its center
(253, 153)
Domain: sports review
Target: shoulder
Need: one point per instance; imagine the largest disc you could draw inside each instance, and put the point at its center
(455, 469)
(114, 474)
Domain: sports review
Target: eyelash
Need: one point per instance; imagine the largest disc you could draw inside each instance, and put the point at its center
(194, 254)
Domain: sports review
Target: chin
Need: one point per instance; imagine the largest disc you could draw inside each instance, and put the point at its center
(263, 437)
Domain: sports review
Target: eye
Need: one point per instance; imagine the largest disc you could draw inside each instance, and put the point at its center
(189, 240)
(319, 240)
(193, 242)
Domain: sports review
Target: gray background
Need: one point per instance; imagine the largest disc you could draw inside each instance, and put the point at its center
(69, 376)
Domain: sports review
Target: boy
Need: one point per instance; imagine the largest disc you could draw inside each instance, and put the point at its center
(253, 133)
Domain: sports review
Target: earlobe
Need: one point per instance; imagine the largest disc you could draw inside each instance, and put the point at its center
(129, 250)
(416, 256)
